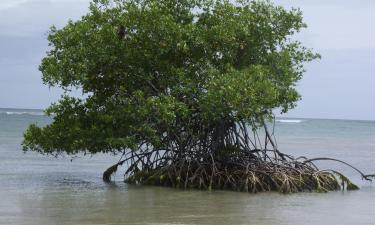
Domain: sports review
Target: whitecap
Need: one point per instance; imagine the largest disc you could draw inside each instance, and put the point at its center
(23, 113)
(288, 121)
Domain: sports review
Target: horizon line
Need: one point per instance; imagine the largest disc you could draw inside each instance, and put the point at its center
(277, 117)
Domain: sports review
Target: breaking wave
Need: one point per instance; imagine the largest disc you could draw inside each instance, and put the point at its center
(288, 121)
(33, 113)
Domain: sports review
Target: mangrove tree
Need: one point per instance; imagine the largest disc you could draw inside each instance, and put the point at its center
(180, 90)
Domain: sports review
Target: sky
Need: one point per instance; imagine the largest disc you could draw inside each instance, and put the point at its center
(339, 86)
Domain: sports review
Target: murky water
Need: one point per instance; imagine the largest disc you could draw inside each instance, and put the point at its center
(41, 190)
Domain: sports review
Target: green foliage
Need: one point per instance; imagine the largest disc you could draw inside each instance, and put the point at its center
(154, 72)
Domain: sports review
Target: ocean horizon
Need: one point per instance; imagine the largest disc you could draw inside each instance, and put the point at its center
(282, 119)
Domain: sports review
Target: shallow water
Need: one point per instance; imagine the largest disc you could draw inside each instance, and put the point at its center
(42, 190)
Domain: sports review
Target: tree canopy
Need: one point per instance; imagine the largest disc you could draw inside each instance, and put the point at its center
(153, 68)
(173, 83)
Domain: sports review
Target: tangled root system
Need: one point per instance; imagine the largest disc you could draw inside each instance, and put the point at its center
(238, 163)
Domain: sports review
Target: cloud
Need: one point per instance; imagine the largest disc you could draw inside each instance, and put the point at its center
(6, 4)
(336, 24)
(27, 18)
(23, 28)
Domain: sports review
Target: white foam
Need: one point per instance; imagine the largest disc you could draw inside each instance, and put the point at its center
(24, 113)
(288, 121)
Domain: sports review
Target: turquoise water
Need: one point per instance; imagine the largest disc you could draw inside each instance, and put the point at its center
(37, 189)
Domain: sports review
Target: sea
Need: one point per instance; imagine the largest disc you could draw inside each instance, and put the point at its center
(44, 190)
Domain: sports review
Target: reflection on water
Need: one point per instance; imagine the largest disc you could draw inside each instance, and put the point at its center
(43, 190)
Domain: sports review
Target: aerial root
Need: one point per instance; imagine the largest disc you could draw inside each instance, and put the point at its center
(108, 173)
(232, 161)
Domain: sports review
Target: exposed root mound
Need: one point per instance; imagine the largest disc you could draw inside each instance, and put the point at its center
(287, 177)
(234, 165)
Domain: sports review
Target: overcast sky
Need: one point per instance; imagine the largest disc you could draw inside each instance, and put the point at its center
(340, 85)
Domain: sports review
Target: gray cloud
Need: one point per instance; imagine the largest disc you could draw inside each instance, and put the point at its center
(34, 17)
(24, 25)
(341, 85)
